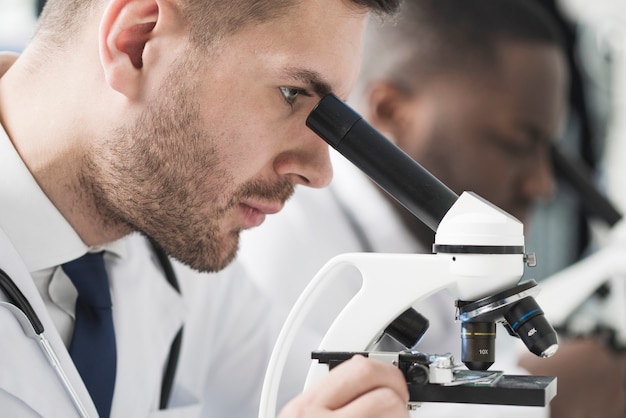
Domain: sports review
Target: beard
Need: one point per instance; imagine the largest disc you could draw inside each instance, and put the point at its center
(165, 177)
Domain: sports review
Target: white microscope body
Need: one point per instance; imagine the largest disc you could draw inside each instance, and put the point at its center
(480, 254)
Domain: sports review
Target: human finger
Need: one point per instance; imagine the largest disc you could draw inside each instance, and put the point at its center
(380, 402)
(358, 376)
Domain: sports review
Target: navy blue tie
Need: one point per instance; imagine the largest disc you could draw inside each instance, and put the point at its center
(93, 343)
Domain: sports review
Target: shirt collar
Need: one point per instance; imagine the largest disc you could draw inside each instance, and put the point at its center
(40, 234)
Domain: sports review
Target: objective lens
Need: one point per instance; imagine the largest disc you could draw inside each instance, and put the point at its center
(478, 340)
(528, 321)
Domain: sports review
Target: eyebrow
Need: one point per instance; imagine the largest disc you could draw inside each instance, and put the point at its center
(535, 134)
(312, 79)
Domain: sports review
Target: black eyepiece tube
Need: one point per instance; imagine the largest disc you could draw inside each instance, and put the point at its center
(392, 169)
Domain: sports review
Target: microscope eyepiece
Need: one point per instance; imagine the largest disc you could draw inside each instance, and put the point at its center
(527, 320)
(424, 195)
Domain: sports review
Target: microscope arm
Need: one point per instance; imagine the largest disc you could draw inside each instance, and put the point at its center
(364, 323)
(407, 279)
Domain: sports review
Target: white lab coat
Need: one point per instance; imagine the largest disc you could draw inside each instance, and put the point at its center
(228, 336)
(290, 248)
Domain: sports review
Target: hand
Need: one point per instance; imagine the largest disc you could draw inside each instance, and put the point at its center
(591, 379)
(359, 388)
(6, 60)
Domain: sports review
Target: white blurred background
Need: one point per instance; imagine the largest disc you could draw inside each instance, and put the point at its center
(17, 20)
(608, 20)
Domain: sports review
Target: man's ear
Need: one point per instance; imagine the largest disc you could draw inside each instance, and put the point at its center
(386, 104)
(125, 29)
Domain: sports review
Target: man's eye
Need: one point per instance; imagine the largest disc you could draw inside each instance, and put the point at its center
(291, 93)
(515, 149)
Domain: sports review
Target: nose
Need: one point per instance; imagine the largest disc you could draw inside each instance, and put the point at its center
(309, 164)
(539, 180)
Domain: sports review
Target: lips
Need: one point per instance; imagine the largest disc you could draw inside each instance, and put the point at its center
(254, 213)
(267, 208)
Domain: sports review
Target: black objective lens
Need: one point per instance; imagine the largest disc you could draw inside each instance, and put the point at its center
(478, 344)
(528, 321)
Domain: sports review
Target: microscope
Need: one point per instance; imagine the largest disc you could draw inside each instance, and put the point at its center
(478, 255)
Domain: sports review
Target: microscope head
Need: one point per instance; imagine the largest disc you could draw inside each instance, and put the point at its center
(485, 245)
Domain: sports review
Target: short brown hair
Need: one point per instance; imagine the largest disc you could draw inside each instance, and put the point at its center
(436, 38)
(207, 19)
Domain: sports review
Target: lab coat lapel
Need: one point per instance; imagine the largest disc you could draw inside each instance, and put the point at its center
(148, 313)
(25, 372)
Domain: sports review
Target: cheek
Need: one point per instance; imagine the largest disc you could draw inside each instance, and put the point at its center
(241, 138)
(495, 181)
(472, 170)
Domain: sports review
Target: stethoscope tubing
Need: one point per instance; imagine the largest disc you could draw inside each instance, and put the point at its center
(33, 328)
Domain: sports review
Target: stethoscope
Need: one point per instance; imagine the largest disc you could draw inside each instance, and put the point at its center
(29, 320)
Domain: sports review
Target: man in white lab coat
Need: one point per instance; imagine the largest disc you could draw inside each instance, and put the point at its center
(475, 92)
(126, 122)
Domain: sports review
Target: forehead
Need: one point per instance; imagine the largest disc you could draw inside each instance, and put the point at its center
(527, 88)
(319, 38)
(539, 68)
(535, 82)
